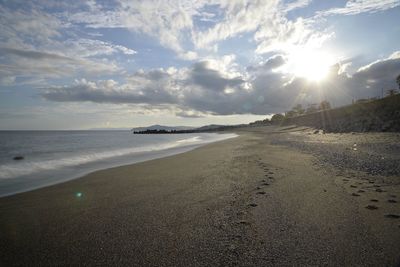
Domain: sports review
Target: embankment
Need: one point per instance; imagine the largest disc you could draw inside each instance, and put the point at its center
(372, 116)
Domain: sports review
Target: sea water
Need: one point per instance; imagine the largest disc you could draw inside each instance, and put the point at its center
(51, 157)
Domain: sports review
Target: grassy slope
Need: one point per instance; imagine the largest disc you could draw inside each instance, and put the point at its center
(379, 115)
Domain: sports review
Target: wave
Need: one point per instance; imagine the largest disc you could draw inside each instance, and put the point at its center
(18, 169)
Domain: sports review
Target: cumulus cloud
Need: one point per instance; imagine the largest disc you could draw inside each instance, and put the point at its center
(35, 44)
(200, 89)
(341, 88)
(210, 79)
(109, 91)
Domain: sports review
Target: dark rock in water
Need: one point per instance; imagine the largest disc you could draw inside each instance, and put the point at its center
(18, 158)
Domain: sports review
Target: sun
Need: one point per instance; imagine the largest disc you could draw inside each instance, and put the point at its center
(310, 64)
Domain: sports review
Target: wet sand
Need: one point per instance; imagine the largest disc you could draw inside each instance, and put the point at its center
(265, 198)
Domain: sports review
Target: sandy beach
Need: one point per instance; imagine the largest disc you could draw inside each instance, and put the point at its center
(270, 197)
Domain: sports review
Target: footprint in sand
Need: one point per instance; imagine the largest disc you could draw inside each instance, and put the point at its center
(379, 190)
(392, 201)
(354, 186)
(355, 195)
(371, 207)
(244, 222)
(253, 205)
(265, 183)
(374, 200)
(261, 193)
(392, 216)
(345, 180)
(361, 191)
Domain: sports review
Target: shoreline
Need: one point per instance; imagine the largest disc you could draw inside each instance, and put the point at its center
(30, 185)
(240, 202)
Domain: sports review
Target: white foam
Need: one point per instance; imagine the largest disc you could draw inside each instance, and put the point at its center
(18, 169)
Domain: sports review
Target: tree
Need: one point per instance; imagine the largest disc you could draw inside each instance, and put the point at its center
(391, 92)
(398, 81)
(277, 118)
(290, 114)
(312, 108)
(299, 109)
(324, 105)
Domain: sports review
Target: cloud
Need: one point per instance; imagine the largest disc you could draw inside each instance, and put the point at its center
(199, 88)
(354, 7)
(341, 88)
(175, 24)
(108, 91)
(30, 64)
(210, 79)
(168, 21)
(36, 46)
(83, 47)
(39, 45)
(296, 4)
(202, 89)
(271, 63)
(240, 17)
(34, 55)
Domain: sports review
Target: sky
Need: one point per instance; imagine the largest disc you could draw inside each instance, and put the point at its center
(116, 63)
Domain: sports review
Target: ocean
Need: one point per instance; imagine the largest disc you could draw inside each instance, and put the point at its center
(51, 157)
